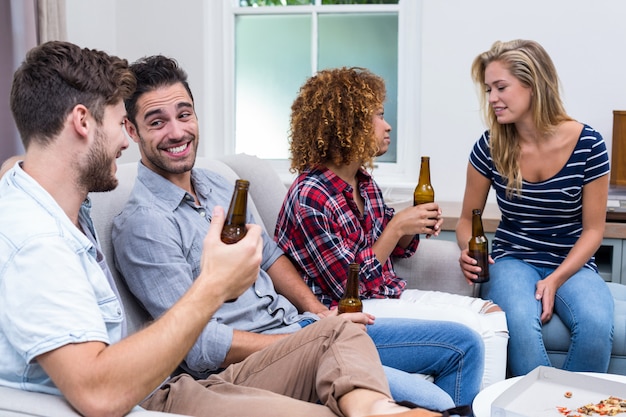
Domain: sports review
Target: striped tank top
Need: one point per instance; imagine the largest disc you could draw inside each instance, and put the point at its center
(541, 226)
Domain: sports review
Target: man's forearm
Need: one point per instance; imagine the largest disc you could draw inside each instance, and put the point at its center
(99, 373)
(289, 284)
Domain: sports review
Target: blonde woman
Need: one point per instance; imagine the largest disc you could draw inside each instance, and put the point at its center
(550, 175)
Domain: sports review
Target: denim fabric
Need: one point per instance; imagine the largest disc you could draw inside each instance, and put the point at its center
(451, 352)
(422, 392)
(584, 304)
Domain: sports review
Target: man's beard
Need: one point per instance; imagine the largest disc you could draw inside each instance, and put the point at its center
(165, 165)
(96, 176)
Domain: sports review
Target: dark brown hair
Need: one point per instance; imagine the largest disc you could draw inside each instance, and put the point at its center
(55, 77)
(151, 73)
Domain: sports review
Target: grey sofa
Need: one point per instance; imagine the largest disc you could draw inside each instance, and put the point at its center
(434, 267)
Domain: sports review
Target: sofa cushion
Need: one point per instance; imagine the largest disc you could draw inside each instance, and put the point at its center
(14, 402)
(430, 269)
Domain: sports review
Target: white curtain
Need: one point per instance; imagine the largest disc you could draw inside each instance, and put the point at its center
(23, 24)
(51, 21)
(18, 33)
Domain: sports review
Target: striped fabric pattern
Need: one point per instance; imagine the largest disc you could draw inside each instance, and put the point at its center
(541, 226)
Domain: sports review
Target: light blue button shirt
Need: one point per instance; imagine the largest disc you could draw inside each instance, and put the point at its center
(53, 290)
(158, 244)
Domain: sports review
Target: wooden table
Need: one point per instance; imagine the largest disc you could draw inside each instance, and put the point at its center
(491, 218)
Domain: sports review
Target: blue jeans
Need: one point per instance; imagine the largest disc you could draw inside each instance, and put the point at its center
(451, 352)
(583, 303)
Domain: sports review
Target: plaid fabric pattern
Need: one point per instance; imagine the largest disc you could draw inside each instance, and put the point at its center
(321, 229)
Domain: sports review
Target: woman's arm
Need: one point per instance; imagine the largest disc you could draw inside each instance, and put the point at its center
(476, 192)
(404, 225)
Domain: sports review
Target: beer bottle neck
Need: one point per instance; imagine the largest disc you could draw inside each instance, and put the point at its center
(477, 225)
(238, 204)
(352, 286)
(425, 172)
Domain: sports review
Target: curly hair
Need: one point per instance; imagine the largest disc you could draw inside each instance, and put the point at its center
(55, 77)
(532, 66)
(332, 118)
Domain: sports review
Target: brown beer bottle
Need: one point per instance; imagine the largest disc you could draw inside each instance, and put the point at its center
(424, 192)
(351, 302)
(235, 223)
(478, 247)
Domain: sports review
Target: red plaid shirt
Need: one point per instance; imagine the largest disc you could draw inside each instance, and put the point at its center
(321, 230)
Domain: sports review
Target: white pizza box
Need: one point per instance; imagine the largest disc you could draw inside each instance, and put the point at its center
(539, 393)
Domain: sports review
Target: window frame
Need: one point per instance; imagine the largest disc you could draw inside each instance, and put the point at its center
(219, 91)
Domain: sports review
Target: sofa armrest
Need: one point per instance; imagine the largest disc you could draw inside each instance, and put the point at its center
(18, 403)
(434, 267)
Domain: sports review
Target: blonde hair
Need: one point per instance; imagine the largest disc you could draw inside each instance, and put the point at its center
(532, 66)
(332, 118)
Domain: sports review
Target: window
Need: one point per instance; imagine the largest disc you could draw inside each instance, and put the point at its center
(276, 44)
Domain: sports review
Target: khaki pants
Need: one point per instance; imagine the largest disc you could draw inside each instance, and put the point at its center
(319, 363)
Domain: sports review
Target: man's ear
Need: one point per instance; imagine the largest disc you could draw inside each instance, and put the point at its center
(81, 120)
(131, 129)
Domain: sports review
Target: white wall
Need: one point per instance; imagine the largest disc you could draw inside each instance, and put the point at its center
(587, 41)
(133, 29)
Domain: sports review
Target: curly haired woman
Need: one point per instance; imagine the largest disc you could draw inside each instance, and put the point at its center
(334, 213)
